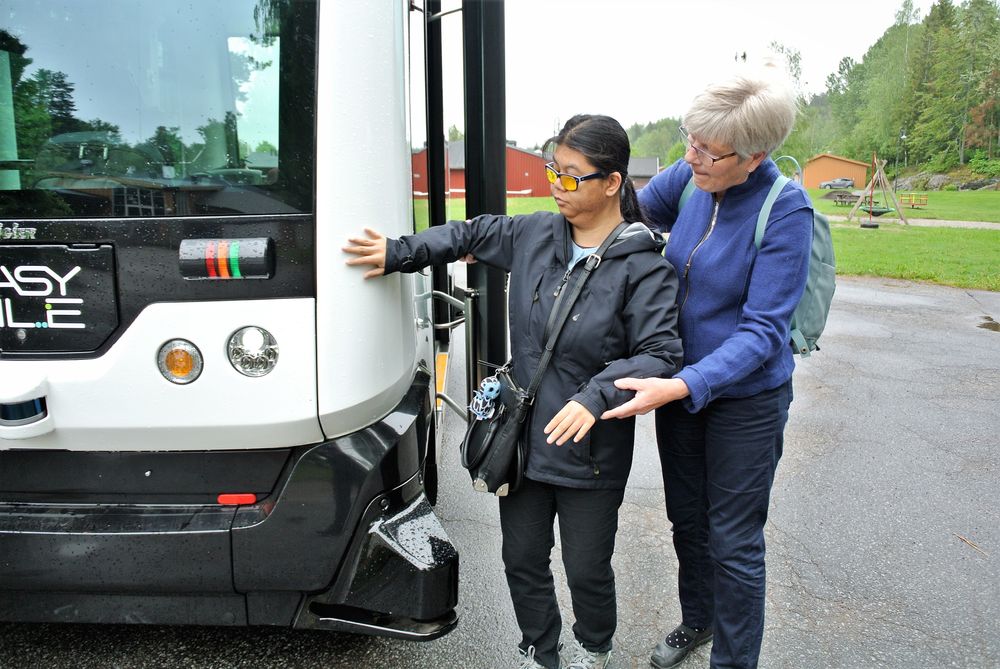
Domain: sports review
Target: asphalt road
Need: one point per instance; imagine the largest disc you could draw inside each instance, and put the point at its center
(883, 537)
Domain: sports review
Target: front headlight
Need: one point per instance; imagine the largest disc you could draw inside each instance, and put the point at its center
(252, 351)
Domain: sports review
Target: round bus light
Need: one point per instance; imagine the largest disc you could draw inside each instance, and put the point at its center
(179, 361)
(252, 351)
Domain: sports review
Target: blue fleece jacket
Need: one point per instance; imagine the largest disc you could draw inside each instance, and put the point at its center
(736, 302)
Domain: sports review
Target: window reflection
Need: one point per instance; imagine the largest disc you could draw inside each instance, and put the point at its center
(149, 108)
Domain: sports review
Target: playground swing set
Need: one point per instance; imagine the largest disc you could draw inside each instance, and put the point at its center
(866, 201)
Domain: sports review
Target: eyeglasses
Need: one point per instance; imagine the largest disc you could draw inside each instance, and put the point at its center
(569, 182)
(704, 157)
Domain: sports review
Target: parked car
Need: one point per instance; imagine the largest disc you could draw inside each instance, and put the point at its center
(839, 182)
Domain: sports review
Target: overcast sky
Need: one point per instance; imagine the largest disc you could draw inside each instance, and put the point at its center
(642, 60)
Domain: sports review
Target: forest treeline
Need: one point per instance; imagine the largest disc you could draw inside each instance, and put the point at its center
(926, 94)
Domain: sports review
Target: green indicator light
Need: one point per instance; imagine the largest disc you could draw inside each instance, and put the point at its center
(234, 260)
(48, 306)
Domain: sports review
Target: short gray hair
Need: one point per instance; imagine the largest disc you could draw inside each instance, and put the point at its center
(753, 110)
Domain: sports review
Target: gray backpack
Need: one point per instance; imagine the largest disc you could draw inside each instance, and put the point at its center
(809, 317)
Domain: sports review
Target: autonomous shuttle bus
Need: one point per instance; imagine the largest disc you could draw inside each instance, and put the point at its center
(205, 416)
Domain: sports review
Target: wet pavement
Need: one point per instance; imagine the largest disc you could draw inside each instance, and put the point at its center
(883, 537)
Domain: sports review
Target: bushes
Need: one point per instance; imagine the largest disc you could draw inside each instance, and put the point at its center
(980, 164)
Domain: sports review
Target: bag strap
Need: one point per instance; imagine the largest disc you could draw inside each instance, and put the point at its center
(564, 304)
(686, 194)
(765, 209)
(798, 339)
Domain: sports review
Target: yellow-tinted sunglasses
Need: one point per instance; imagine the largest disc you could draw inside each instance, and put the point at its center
(569, 182)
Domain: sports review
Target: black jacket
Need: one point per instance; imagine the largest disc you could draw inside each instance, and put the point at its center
(623, 324)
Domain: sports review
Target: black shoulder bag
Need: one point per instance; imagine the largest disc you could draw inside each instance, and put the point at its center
(493, 449)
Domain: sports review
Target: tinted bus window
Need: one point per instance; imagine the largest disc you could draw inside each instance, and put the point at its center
(140, 108)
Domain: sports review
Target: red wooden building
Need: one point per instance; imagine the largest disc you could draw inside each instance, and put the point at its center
(525, 172)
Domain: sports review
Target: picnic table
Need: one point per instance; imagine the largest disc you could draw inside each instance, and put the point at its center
(913, 199)
(844, 199)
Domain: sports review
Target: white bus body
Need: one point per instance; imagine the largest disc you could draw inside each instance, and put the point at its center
(180, 172)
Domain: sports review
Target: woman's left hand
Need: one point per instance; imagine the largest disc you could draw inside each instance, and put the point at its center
(369, 251)
(573, 420)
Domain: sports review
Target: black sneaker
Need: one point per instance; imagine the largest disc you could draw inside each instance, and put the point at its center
(671, 651)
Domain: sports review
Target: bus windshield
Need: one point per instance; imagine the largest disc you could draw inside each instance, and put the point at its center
(139, 108)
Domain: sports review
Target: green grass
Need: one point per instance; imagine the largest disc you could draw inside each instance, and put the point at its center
(978, 205)
(941, 205)
(962, 257)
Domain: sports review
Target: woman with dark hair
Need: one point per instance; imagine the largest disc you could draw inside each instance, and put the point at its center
(624, 324)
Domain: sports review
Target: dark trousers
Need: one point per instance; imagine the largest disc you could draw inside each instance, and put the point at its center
(588, 521)
(718, 467)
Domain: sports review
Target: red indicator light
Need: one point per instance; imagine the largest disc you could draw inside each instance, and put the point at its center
(210, 259)
(236, 499)
(241, 258)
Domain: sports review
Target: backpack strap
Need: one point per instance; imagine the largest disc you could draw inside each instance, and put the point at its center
(686, 194)
(765, 210)
(798, 339)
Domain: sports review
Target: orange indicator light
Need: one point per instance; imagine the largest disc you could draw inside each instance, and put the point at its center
(179, 362)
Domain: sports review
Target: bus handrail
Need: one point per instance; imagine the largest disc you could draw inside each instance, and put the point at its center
(465, 307)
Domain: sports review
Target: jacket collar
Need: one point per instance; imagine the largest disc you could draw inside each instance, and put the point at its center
(636, 237)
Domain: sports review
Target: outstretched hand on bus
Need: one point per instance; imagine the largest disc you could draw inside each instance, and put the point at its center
(369, 251)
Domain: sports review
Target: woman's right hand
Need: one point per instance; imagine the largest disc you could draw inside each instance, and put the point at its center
(649, 394)
(369, 251)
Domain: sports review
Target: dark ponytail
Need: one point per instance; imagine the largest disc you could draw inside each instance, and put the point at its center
(605, 144)
(631, 211)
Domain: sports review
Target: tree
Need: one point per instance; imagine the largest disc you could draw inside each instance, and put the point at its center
(168, 142)
(812, 134)
(937, 80)
(877, 126)
(221, 146)
(266, 147)
(55, 92)
(940, 101)
(843, 100)
(455, 135)
(978, 26)
(114, 132)
(659, 138)
(983, 130)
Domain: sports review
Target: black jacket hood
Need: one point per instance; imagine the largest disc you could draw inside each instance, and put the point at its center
(633, 239)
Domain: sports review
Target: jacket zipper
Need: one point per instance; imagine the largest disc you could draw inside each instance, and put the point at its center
(687, 265)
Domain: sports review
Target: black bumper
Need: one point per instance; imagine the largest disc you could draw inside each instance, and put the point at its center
(342, 536)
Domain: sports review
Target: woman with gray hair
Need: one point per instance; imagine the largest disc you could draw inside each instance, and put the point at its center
(720, 419)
